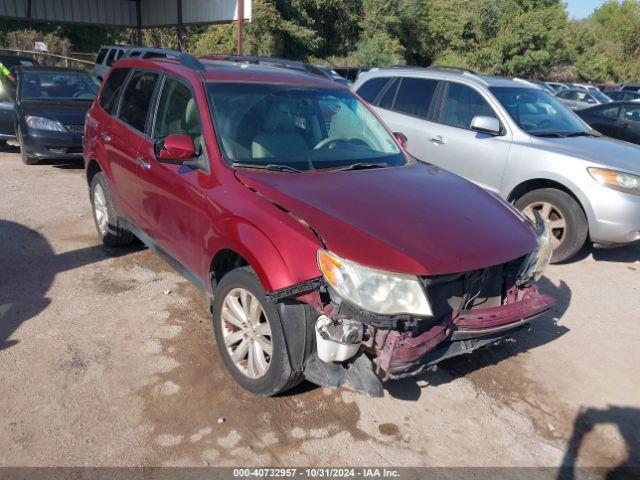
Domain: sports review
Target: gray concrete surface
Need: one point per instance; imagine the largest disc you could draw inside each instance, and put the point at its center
(107, 358)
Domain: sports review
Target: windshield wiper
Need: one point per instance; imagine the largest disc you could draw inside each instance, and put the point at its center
(275, 167)
(550, 135)
(590, 133)
(363, 166)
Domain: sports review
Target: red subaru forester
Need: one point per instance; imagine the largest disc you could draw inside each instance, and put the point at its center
(325, 251)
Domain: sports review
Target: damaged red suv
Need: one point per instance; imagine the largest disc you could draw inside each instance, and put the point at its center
(326, 252)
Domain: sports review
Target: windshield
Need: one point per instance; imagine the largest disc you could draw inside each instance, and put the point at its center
(601, 97)
(57, 86)
(537, 112)
(300, 127)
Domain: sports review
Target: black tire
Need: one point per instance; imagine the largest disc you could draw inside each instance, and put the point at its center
(3, 144)
(577, 227)
(114, 234)
(280, 375)
(26, 159)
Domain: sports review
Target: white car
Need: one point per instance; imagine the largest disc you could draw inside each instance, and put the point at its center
(107, 56)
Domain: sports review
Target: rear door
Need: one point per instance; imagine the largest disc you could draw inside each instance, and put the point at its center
(172, 199)
(7, 109)
(452, 144)
(405, 107)
(125, 137)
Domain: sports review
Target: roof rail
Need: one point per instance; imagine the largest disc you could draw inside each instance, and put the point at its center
(446, 68)
(191, 62)
(275, 62)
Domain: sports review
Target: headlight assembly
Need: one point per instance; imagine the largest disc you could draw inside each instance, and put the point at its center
(41, 123)
(538, 260)
(625, 182)
(374, 290)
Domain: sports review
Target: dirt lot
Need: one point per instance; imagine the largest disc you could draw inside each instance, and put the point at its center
(107, 358)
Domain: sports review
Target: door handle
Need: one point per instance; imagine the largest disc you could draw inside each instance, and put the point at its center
(143, 164)
(438, 140)
(105, 137)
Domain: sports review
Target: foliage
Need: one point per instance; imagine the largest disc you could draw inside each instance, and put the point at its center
(527, 38)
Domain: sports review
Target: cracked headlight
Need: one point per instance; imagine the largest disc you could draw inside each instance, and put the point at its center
(538, 260)
(41, 123)
(374, 290)
(625, 182)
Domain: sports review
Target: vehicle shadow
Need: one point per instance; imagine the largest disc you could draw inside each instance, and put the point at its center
(624, 254)
(28, 266)
(626, 419)
(543, 330)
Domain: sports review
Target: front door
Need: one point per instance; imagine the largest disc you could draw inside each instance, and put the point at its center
(452, 144)
(172, 199)
(630, 123)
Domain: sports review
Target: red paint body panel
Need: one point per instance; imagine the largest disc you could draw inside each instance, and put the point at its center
(417, 219)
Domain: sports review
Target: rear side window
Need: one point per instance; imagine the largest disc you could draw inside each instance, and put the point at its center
(119, 54)
(414, 96)
(112, 88)
(461, 104)
(101, 54)
(389, 95)
(371, 88)
(136, 99)
(111, 57)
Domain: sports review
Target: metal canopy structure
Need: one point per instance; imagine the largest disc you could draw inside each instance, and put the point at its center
(137, 14)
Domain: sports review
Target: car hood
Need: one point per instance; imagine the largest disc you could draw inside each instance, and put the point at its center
(67, 113)
(417, 219)
(603, 150)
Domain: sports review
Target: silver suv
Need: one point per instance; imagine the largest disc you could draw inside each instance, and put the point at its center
(513, 138)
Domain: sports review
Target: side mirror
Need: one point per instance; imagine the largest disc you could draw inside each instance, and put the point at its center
(402, 138)
(485, 124)
(175, 149)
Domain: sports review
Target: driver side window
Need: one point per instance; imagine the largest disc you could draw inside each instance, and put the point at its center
(177, 113)
(461, 104)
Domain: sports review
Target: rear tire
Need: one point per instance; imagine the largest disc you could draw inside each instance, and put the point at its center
(230, 332)
(568, 222)
(26, 159)
(106, 220)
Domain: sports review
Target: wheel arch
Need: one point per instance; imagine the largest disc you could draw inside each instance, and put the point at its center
(539, 183)
(93, 167)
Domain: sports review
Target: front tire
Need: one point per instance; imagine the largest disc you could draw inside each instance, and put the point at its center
(105, 218)
(249, 335)
(26, 159)
(563, 214)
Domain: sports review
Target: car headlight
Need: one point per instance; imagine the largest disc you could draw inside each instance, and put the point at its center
(374, 290)
(625, 182)
(538, 260)
(41, 123)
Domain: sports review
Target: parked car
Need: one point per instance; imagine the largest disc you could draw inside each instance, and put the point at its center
(51, 104)
(518, 141)
(579, 99)
(107, 56)
(619, 120)
(11, 61)
(325, 251)
(622, 95)
(630, 87)
(557, 86)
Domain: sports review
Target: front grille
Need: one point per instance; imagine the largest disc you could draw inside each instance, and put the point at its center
(477, 289)
(75, 128)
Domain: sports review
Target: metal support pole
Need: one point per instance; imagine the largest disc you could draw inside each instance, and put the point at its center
(138, 23)
(180, 26)
(240, 26)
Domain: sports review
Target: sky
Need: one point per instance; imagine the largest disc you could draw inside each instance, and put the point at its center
(582, 8)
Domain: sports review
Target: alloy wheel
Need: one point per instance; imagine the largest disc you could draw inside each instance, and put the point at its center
(100, 209)
(246, 333)
(553, 217)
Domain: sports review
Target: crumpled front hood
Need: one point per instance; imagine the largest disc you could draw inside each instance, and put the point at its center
(607, 151)
(417, 219)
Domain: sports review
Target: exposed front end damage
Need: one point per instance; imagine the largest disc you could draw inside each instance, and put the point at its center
(470, 310)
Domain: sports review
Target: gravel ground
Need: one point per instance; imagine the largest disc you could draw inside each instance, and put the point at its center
(107, 359)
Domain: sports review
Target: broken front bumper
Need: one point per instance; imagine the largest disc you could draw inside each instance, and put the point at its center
(401, 353)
